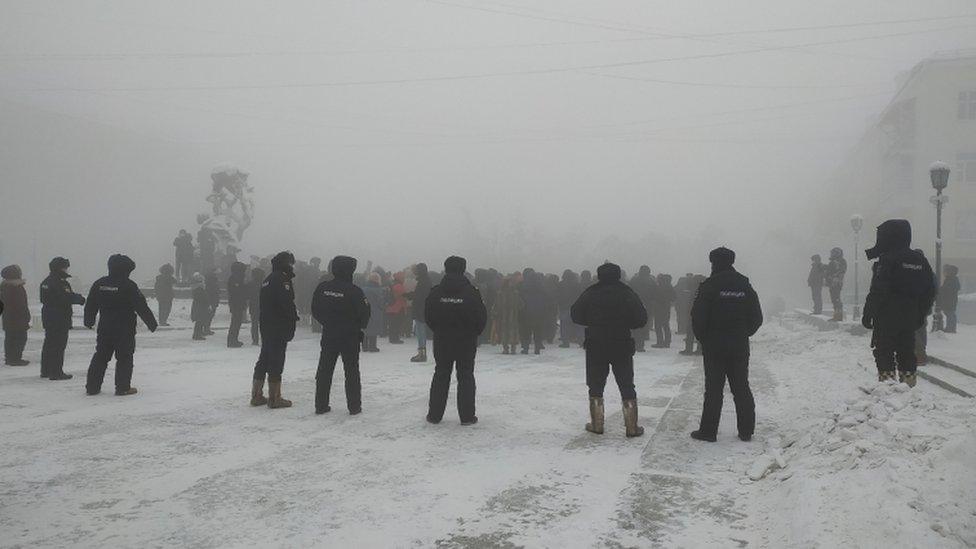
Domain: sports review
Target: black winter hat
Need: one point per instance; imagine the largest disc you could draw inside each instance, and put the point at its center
(58, 264)
(343, 267)
(283, 260)
(455, 265)
(608, 272)
(894, 234)
(721, 258)
(119, 264)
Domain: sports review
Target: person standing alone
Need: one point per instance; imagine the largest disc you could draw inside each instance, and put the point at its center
(901, 295)
(57, 299)
(726, 313)
(16, 318)
(456, 314)
(116, 301)
(278, 318)
(343, 311)
(610, 310)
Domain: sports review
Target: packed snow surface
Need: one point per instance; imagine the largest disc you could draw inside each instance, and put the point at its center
(838, 459)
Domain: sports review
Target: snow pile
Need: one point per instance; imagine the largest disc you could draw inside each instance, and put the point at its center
(911, 449)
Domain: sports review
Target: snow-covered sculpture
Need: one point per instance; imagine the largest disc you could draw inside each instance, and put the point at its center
(232, 208)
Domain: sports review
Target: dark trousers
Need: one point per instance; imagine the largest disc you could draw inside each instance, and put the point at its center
(733, 366)
(448, 355)
(817, 293)
(199, 329)
(271, 361)
(835, 299)
(234, 332)
(348, 349)
(52, 353)
(602, 355)
(14, 342)
(662, 329)
(950, 321)
(123, 347)
(165, 307)
(891, 349)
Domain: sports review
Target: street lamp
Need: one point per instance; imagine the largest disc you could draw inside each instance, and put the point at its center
(939, 174)
(856, 223)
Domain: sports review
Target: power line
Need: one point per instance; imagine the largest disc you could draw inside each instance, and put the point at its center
(474, 76)
(109, 56)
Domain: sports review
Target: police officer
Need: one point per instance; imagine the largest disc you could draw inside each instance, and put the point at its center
(115, 300)
(343, 311)
(610, 310)
(237, 302)
(278, 317)
(726, 313)
(56, 301)
(902, 292)
(456, 315)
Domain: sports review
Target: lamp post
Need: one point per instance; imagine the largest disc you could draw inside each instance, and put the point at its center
(939, 175)
(856, 223)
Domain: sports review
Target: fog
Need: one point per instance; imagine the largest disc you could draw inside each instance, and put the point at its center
(552, 134)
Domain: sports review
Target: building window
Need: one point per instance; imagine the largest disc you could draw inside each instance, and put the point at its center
(967, 105)
(966, 168)
(966, 225)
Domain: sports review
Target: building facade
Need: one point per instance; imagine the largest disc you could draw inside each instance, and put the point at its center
(932, 116)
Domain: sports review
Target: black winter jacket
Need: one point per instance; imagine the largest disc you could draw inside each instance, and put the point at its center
(726, 312)
(116, 301)
(454, 309)
(609, 309)
(57, 297)
(341, 306)
(278, 314)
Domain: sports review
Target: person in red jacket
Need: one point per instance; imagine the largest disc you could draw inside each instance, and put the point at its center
(16, 315)
(396, 311)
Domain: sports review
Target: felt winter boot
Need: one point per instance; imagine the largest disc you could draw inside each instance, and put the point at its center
(630, 419)
(698, 435)
(908, 378)
(257, 393)
(885, 375)
(596, 416)
(126, 392)
(275, 399)
(421, 356)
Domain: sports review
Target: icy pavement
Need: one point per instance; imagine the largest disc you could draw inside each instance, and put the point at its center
(844, 461)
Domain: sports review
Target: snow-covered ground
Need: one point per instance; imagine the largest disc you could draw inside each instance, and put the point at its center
(838, 460)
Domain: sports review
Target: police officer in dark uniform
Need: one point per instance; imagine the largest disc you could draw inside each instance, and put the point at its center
(278, 317)
(902, 292)
(56, 301)
(237, 301)
(610, 310)
(115, 300)
(456, 315)
(726, 313)
(343, 311)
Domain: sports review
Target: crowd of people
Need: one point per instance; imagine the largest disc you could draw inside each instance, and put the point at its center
(611, 316)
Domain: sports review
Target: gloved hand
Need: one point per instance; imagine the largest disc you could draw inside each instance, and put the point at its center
(867, 322)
